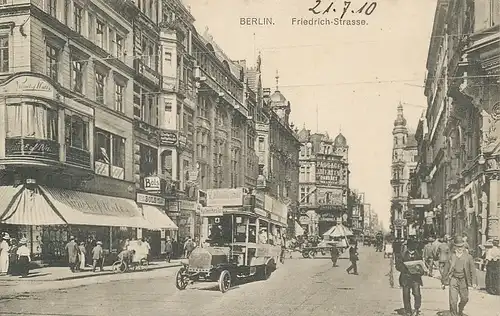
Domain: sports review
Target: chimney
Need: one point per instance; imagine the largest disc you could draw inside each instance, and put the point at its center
(266, 92)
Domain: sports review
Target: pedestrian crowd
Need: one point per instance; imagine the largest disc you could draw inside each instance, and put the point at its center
(452, 258)
(15, 256)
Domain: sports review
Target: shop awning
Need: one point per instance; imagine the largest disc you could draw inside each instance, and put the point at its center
(81, 208)
(158, 218)
(31, 208)
(7, 195)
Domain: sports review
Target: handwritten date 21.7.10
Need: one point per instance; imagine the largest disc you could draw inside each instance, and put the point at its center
(324, 7)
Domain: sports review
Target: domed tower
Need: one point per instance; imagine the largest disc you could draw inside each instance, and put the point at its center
(340, 147)
(400, 135)
(279, 103)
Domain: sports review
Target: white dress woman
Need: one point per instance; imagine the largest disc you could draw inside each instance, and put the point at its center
(4, 254)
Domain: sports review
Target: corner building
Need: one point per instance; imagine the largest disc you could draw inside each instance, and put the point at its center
(67, 143)
(324, 182)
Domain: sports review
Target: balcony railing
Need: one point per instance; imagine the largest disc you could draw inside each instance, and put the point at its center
(77, 156)
(32, 148)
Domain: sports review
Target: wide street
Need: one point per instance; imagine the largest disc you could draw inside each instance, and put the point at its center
(299, 287)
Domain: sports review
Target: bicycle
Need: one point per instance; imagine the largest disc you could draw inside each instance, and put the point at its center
(122, 266)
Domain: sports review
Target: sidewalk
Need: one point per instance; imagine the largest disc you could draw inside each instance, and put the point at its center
(435, 299)
(64, 273)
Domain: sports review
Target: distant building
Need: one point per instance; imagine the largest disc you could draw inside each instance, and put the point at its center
(404, 161)
(324, 181)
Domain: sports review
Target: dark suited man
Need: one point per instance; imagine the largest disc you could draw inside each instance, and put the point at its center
(353, 257)
(410, 283)
(334, 253)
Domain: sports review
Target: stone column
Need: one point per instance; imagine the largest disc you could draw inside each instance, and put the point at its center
(493, 213)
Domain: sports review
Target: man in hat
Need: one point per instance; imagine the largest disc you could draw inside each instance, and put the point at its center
(408, 280)
(443, 254)
(97, 257)
(334, 253)
(72, 251)
(460, 276)
(428, 255)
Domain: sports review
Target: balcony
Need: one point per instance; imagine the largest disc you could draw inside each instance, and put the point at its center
(45, 152)
(145, 71)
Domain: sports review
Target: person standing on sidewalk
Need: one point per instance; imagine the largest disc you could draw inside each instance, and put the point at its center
(72, 251)
(23, 258)
(410, 283)
(460, 276)
(443, 254)
(82, 253)
(353, 257)
(97, 256)
(492, 263)
(428, 255)
(168, 250)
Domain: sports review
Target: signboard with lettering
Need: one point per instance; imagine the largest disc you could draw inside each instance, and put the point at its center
(333, 196)
(331, 172)
(150, 199)
(31, 85)
(29, 147)
(259, 200)
(211, 211)
(152, 184)
(225, 197)
(168, 138)
(188, 205)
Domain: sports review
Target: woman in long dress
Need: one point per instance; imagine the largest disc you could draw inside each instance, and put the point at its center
(4, 254)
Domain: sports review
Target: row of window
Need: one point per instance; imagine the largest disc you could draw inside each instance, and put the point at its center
(40, 121)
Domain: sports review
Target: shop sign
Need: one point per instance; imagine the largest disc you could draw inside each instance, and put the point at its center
(225, 197)
(268, 203)
(150, 199)
(152, 184)
(304, 219)
(400, 222)
(30, 85)
(187, 205)
(168, 138)
(259, 200)
(36, 148)
(211, 211)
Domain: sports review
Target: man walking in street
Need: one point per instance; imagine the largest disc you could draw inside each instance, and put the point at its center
(334, 253)
(353, 257)
(168, 249)
(410, 281)
(443, 254)
(72, 251)
(460, 276)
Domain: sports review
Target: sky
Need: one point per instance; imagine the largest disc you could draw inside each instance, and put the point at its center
(337, 78)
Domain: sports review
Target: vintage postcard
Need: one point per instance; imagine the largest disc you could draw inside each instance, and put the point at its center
(249, 157)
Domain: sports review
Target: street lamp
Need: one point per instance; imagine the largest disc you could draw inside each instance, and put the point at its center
(481, 159)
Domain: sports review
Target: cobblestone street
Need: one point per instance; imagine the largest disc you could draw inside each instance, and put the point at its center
(299, 287)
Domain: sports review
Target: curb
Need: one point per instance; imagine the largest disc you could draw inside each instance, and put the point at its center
(93, 275)
(89, 274)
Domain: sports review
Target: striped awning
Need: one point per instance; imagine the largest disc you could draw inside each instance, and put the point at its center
(7, 195)
(31, 208)
(82, 208)
(158, 218)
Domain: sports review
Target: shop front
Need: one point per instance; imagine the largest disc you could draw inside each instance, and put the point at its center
(48, 216)
(188, 220)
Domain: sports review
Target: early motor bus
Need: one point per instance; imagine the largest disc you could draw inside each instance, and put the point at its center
(238, 241)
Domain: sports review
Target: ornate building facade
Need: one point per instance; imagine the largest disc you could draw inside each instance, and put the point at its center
(463, 96)
(404, 161)
(68, 143)
(324, 182)
(277, 147)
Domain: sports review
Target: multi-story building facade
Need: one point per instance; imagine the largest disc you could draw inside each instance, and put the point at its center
(458, 136)
(404, 161)
(324, 181)
(277, 147)
(67, 139)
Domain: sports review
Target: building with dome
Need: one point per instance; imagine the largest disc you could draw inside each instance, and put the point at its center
(277, 146)
(323, 181)
(404, 162)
